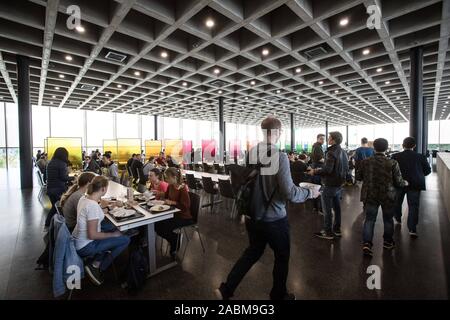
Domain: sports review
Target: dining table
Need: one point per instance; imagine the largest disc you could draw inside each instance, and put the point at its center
(148, 219)
(199, 174)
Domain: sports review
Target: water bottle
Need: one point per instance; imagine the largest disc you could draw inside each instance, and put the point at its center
(130, 194)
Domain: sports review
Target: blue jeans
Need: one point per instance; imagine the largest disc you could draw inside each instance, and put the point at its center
(276, 235)
(331, 199)
(98, 248)
(371, 212)
(413, 198)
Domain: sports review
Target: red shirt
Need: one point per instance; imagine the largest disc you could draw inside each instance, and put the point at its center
(181, 196)
(161, 187)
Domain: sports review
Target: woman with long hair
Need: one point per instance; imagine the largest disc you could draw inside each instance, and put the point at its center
(177, 195)
(90, 240)
(157, 184)
(57, 178)
(69, 200)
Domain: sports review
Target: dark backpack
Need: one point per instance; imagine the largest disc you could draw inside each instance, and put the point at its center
(137, 270)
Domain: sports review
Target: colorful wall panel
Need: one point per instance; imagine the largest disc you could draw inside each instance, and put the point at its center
(208, 150)
(187, 148)
(174, 148)
(152, 148)
(111, 145)
(235, 148)
(126, 147)
(73, 146)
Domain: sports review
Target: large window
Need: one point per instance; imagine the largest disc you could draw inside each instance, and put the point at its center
(127, 126)
(100, 126)
(2, 136)
(148, 128)
(191, 132)
(171, 128)
(67, 123)
(41, 126)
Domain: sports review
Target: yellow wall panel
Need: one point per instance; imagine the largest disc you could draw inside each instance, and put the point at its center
(126, 147)
(73, 146)
(152, 148)
(111, 145)
(174, 148)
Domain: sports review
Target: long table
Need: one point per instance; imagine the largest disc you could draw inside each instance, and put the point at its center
(214, 176)
(118, 191)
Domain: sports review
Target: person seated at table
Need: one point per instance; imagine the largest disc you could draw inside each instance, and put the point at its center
(171, 162)
(57, 179)
(176, 195)
(69, 200)
(92, 240)
(148, 166)
(42, 165)
(112, 168)
(129, 163)
(298, 169)
(156, 183)
(161, 160)
(91, 165)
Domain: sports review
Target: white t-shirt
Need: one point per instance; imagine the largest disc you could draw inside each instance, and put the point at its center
(86, 210)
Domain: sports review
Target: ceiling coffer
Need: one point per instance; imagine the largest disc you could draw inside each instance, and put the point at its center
(88, 87)
(315, 52)
(115, 56)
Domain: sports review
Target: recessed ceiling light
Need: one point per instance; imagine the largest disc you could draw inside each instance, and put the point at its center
(348, 98)
(195, 99)
(246, 98)
(216, 70)
(387, 82)
(61, 76)
(343, 22)
(220, 91)
(137, 73)
(336, 91)
(119, 86)
(297, 98)
(379, 69)
(394, 91)
(366, 52)
(209, 23)
(184, 84)
(278, 91)
(267, 103)
(265, 52)
(446, 102)
(320, 82)
(80, 28)
(397, 98)
(106, 94)
(162, 93)
(164, 54)
(56, 88)
(54, 97)
(252, 82)
(298, 70)
(68, 57)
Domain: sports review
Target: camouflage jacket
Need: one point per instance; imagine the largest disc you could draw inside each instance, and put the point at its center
(380, 177)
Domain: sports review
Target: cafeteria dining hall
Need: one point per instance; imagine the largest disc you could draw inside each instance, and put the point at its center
(214, 151)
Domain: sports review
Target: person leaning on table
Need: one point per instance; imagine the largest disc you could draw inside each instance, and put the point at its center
(92, 238)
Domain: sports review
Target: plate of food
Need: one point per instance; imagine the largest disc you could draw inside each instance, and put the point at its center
(160, 208)
(152, 203)
(122, 212)
(139, 197)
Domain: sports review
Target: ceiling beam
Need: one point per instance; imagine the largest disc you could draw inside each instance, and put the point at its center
(7, 79)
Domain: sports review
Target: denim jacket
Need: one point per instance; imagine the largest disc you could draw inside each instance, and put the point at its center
(64, 255)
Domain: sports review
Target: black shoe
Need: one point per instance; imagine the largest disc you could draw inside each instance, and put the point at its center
(222, 292)
(289, 296)
(367, 249)
(324, 235)
(337, 233)
(94, 274)
(389, 245)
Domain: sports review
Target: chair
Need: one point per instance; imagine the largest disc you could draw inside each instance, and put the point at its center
(226, 191)
(192, 183)
(42, 184)
(219, 169)
(210, 188)
(190, 166)
(198, 167)
(195, 208)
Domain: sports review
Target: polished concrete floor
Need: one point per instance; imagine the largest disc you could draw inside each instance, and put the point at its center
(319, 269)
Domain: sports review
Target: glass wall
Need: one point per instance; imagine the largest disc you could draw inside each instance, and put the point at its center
(148, 128)
(99, 127)
(171, 128)
(127, 126)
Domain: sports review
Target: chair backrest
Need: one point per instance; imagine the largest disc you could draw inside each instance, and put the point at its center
(195, 205)
(191, 182)
(124, 179)
(198, 167)
(225, 189)
(227, 169)
(208, 185)
(190, 166)
(40, 178)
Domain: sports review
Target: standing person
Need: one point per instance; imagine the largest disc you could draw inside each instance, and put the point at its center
(380, 177)
(138, 173)
(113, 169)
(176, 195)
(271, 225)
(333, 175)
(69, 200)
(90, 240)
(57, 178)
(363, 152)
(414, 168)
(42, 165)
(38, 155)
(148, 166)
(317, 154)
(129, 163)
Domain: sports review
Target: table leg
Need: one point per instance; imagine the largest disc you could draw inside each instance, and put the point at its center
(151, 240)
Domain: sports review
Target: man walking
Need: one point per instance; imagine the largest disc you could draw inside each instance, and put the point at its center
(380, 177)
(270, 225)
(362, 153)
(414, 168)
(333, 175)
